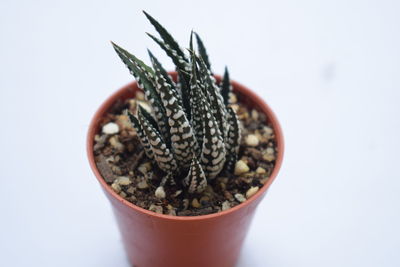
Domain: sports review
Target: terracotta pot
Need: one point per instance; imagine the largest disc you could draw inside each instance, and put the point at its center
(156, 240)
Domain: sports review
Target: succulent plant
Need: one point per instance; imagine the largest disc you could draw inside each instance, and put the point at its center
(192, 132)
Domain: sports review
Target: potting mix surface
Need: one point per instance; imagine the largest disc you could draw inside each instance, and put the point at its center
(123, 164)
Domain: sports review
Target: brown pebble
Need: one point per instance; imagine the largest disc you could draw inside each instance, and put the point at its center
(132, 199)
(100, 142)
(115, 143)
(228, 195)
(254, 152)
(130, 190)
(143, 184)
(185, 203)
(196, 203)
(105, 169)
(222, 185)
(264, 180)
(204, 200)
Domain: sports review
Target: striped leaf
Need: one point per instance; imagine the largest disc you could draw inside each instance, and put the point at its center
(232, 140)
(196, 105)
(165, 35)
(183, 141)
(142, 136)
(226, 87)
(213, 149)
(213, 93)
(157, 65)
(179, 61)
(184, 88)
(162, 79)
(196, 179)
(168, 180)
(162, 155)
(145, 78)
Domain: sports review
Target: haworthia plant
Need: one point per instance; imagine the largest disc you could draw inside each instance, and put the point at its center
(192, 133)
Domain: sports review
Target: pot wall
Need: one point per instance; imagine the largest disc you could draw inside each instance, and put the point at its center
(155, 240)
(159, 242)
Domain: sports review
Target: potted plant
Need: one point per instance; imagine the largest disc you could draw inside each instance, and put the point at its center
(184, 157)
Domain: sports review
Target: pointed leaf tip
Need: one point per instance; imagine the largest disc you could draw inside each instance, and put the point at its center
(202, 51)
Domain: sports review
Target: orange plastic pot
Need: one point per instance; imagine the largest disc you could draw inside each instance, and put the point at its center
(156, 240)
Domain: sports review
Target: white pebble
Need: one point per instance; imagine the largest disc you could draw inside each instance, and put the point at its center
(269, 157)
(110, 128)
(269, 154)
(142, 184)
(123, 180)
(115, 143)
(252, 191)
(240, 198)
(260, 170)
(124, 121)
(145, 167)
(226, 205)
(254, 114)
(116, 187)
(235, 107)
(232, 98)
(156, 208)
(160, 193)
(252, 140)
(177, 193)
(268, 130)
(241, 167)
(270, 150)
(139, 95)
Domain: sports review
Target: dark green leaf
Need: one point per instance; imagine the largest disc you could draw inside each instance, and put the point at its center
(179, 61)
(183, 83)
(226, 87)
(202, 51)
(232, 140)
(213, 93)
(196, 105)
(165, 35)
(162, 78)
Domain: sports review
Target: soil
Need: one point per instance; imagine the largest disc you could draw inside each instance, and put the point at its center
(120, 159)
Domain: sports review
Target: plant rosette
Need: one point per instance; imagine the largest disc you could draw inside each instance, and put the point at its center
(183, 211)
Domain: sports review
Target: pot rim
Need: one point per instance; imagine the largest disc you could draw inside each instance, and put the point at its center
(260, 103)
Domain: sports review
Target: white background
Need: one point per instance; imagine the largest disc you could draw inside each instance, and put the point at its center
(329, 69)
